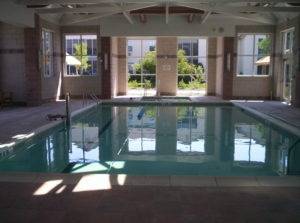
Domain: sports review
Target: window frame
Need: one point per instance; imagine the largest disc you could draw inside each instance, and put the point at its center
(284, 40)
(51, 54)
(141, 40)
(253, 55)
(65, 55)
(191, 56)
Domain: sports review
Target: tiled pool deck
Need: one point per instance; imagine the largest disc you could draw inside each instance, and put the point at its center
(38, 197)
(34, 202)
(16, 121)
(276, 110)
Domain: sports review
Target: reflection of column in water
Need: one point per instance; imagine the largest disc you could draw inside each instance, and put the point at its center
(82, 143)
(166, 130)
(209, 131)
(226, 135)
(268, 140)
(120, 130)
(67, 140)
(190, 125)
(105, 153)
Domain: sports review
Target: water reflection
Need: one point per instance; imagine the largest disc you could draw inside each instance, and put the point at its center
(160, 140)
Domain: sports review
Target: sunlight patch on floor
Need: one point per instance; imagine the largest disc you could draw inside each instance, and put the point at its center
(47, 187)
(93, 182)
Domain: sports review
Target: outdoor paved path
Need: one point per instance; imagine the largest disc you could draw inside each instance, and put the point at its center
(149, 204)
(276, 109)
(23, 120)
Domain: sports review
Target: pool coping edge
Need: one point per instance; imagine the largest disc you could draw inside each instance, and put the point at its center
(153, 180)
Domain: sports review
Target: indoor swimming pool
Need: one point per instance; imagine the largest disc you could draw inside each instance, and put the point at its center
(160, 140)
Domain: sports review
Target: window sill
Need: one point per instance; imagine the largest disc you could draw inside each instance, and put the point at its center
(96, 75)
(249, 75)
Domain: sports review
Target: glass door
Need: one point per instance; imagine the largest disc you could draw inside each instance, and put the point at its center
(287, 75)
(287, 52)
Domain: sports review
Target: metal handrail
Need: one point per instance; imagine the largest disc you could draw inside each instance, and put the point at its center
(86, 96)
(94, 97)
(293, 146)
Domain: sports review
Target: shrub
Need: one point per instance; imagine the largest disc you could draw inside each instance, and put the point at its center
(133, 84)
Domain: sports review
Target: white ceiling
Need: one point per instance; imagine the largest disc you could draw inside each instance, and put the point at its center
(72, 12)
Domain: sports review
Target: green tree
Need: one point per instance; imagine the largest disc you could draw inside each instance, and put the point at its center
(185, 67)
(81, 55)
(265, 46)
(148, 64)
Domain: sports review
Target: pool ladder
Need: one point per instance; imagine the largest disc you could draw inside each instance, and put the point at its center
(86, 96)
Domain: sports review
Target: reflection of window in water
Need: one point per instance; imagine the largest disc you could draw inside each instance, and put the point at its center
(50, 151)
(190, 129)
(85, 143)
(249, 144)
(141, 129)
(283, 146)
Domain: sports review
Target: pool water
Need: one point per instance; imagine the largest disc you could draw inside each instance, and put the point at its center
(160, 140)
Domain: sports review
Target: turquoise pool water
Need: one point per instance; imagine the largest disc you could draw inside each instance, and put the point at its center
(160, 140)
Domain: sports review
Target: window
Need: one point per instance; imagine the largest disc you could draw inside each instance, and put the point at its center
(47, 41)
(288, 40)
(192, 60)
(253, 54)
(249, 144)
(141, 130)
(151, 48)
(129, 50)
(81, 54)
(190, 130)
(141, 63)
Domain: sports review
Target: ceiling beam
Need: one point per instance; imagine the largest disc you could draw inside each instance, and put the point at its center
(69, 19)
(204, 17)
(231, 12)
(48, 2)
(167, 13)
(87, 9)
(72, 19)
(128, 17)
(261, 9)
(124, 12)
(98, 8)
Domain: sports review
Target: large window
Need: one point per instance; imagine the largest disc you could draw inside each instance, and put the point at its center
(249, 144)
(141, 56)
(47, 41)
(190, 129)
(287, 50)
(141, 130)
(81, 54)
(253, 54)
(288, 40)
(192, 62)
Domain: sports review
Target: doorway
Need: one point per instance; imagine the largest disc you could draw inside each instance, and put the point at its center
(192, 66)
(287, 77)
(141, 66)
(287, 52)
